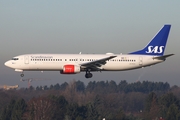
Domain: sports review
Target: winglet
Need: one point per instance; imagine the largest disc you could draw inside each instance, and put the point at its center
(158, 44)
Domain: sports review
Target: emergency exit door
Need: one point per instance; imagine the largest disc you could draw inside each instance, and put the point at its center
(26, 59)
(140, 60)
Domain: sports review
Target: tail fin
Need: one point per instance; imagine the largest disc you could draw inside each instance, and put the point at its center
(158, 44)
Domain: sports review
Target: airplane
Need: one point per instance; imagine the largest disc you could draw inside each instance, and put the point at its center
(151, 54)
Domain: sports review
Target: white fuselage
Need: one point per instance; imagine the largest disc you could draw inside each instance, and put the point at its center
(55, 62)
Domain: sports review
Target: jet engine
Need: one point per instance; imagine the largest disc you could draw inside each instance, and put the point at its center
(70, 69)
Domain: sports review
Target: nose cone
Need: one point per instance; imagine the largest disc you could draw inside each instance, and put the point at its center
(7, 63)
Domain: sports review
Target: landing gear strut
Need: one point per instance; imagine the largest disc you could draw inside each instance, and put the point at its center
(88, 74)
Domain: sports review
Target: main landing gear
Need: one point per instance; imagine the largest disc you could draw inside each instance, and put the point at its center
(88, 74)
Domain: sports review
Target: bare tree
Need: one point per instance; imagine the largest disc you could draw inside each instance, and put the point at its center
(40, 109)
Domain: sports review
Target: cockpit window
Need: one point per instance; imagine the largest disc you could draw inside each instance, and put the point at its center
(15, 58)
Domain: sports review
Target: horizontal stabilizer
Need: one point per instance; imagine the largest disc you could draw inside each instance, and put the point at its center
(163, 57)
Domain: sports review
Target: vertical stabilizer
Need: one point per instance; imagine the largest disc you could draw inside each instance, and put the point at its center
(158, 44)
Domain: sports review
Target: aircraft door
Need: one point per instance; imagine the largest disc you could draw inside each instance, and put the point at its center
(26, 59)
(140, 61)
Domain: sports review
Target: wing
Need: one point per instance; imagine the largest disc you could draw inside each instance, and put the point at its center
(95, 65)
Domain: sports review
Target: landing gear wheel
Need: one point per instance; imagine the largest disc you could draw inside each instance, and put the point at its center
(22, 75)
(88, 75)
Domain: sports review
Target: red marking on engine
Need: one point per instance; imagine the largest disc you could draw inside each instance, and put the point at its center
(68, 69)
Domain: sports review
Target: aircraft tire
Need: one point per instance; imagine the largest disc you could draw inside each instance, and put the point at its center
(22, 75)
(88, 75)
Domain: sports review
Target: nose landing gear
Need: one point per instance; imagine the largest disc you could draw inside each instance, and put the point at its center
(22, 75)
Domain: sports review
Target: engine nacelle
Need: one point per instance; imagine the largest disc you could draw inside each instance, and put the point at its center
(70, 69)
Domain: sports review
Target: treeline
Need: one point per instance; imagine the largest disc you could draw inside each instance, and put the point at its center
(75, 101)
(112, 87)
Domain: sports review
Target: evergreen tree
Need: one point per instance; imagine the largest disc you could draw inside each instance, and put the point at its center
(152, 97)
(18, 109)
(173, 112)
(169, 102)
(7, 112)
(64, 85)
(80, 87)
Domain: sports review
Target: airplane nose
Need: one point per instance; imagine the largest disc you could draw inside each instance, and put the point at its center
(7, 63)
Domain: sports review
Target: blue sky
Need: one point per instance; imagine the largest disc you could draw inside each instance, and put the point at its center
(96, 26)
